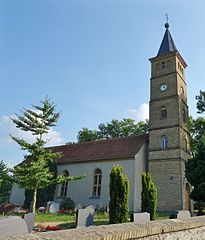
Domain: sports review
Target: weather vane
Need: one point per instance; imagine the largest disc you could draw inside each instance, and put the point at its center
(167, 21)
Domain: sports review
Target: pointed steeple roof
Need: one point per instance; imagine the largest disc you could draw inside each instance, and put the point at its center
(167, 44)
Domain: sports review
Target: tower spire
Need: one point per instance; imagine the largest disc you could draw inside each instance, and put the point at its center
(167, 44)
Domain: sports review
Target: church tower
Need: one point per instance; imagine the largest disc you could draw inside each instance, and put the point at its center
(169, 138)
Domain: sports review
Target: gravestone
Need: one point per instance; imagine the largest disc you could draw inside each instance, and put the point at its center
(48, 205)
(54, 207)
(29, 218)
(180, 214)
(143, 217)
(85, 217)
(90, 206)
(12, 226)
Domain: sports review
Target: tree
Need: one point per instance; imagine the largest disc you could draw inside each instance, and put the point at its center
(195, 167)
(197, 130)
(119, 196)
(86, 135)
(5, 182)
(149, 196)
(115, 128)
(44, 195)
(201, 102)
(34, 172)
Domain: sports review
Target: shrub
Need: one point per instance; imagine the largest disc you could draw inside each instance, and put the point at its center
(119, 194)
(67, 204)
(149, 196)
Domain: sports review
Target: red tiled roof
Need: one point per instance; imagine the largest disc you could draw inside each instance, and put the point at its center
(123, 147)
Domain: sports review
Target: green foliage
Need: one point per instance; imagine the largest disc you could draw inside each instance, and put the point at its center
(44, 195)
(67, 204)
(201, 102)
(34, 173)
(87, 135)
(126, 127)
(149, 196)
(119, 196)
(195, 167)
(198, 194)
(197, 130)
(5, 182)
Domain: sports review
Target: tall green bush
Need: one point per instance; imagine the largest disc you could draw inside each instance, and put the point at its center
(119, 196)
(148, 196)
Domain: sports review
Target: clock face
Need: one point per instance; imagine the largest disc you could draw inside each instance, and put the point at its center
(163, 87)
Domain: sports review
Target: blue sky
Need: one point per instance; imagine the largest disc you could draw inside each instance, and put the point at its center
(91, 58)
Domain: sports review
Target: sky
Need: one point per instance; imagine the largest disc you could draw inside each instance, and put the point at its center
(91, 58)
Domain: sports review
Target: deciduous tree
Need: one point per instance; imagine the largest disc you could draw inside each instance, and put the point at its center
(113, 129)
(201, 102)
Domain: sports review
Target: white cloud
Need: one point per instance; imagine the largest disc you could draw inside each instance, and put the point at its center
(139, 114)
(10, 152)
(7, 128)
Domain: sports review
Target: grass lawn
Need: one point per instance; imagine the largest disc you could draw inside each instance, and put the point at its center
(163, 215)
(67, 221)
(99, 219)
(50, 217)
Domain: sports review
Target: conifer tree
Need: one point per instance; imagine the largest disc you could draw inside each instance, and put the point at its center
(34, 172)
(148, 196)
(119, 195)
(5, 182)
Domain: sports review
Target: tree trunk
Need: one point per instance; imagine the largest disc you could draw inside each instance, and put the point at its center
(33, 206)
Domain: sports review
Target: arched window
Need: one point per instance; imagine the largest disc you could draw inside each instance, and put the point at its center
(164, 142)
(64, 186)
(163, 112)
(97, 182)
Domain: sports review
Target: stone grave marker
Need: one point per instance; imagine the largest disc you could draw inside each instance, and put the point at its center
(90, 206)
(180, 214)
(142, 217)
(48, 205)
(29, 218)
(54, 207)
(12, 226)
(85, 217)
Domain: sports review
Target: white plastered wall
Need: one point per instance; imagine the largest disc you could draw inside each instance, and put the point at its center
(17, 196)
(80, 191)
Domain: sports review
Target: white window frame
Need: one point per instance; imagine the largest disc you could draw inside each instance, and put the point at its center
(97, 182)
(164, 142)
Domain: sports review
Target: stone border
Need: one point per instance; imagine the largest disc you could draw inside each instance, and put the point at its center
(118, 231)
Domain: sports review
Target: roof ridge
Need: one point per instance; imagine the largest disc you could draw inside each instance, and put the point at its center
(100, 140)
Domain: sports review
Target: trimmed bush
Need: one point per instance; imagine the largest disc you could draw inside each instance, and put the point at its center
(149, 196)
(119, 196)
(67, 204)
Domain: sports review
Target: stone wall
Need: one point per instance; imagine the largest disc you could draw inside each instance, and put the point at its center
(193, 228)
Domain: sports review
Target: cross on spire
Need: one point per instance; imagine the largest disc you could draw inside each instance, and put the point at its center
(167, 21)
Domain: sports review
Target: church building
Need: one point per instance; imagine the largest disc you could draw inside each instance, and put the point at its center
(163, 152)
